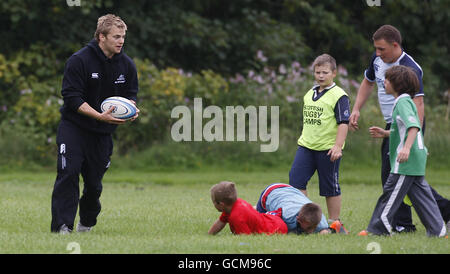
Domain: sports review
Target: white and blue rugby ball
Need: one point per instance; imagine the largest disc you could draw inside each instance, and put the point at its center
(123, 108)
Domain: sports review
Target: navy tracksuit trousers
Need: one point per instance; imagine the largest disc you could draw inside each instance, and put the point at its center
(418, 190)
(79, 152)
(403, 215)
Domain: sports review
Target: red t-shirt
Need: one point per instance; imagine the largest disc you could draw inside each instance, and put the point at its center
(244, 219)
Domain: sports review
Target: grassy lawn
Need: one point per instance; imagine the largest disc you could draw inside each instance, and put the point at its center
(171, 212)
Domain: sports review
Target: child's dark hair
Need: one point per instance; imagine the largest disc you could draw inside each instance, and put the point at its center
(403, 80)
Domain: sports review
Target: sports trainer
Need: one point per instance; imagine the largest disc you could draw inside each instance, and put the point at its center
(387, 41)
(97, 71)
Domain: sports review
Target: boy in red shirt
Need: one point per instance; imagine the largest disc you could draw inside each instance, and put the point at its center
(241, 215)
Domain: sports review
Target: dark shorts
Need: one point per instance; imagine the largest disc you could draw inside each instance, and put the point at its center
(306, 163)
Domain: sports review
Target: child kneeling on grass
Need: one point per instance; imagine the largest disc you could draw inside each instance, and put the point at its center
(408, 156)
(241, 216)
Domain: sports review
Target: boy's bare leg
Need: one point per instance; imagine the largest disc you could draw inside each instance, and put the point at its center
(334, 207)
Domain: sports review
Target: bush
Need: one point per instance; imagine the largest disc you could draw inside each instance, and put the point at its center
(21, 147)
(159, 92)
(30, 82)
(29, 114)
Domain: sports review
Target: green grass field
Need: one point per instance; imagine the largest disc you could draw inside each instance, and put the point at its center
(171, 212)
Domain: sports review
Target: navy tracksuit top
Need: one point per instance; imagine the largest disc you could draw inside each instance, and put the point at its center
(91, 77)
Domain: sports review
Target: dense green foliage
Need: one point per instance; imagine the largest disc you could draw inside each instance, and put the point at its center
(225, 35)
(243, 52)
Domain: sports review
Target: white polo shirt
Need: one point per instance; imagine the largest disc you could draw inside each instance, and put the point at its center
(376, 71)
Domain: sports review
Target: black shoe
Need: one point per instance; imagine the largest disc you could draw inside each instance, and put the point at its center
(405, 229)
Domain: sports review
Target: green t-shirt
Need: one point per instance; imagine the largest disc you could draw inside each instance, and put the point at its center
(404, 116)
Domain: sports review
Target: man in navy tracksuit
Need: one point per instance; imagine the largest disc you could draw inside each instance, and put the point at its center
(99, 70)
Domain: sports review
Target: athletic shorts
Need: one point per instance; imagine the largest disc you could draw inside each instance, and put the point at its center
(306, 163)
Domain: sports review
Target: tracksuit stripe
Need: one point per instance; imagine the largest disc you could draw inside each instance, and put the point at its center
(391, 202)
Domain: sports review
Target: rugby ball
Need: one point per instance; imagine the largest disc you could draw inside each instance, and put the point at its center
(123, 108)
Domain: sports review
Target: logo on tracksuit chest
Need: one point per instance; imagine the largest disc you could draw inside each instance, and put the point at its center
(120, 79)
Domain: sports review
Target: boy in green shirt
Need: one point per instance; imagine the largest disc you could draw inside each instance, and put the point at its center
(408, 157)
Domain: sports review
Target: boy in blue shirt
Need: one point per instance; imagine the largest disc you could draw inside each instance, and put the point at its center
(299, 213)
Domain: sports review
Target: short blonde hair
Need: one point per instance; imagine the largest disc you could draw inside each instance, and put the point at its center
(325, 59)
(224, 192)
(106, 22)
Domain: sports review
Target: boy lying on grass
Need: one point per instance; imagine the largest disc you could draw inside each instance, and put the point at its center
(240, 215)
(245, 219)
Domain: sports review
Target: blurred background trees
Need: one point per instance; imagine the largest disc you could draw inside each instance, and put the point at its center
(227, 52)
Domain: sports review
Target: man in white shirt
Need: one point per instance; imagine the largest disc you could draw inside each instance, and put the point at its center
(388, 52)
